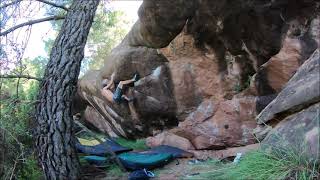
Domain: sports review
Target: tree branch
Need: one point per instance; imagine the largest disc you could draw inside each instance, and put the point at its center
(20, 76)
(9, 4)
(53, 4)
(31, 23)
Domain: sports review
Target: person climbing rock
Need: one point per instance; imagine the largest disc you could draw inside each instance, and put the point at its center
(120, 93)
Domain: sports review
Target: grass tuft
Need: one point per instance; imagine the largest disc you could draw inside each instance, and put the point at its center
(139, 144)
(114, 171)
(262, 165)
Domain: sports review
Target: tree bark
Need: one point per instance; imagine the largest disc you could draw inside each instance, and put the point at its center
(54, 134)
(2, 152)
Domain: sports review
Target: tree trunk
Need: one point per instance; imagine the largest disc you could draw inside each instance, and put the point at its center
(54, 134)
(2, 151)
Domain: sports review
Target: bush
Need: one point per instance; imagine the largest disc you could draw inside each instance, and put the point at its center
(15, 125)
(30, 170)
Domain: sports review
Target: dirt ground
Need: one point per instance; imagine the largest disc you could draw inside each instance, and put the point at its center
(176, 170)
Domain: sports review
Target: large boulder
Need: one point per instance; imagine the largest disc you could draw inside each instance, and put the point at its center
(298, 133)
(297, 108)
(217, 125)
(206, 70)
(299, 43)
(196, 74)
(170, 139)
(92, 116)
(160, 22)
(302, 90)
(154, 101)
(125, 60)
(229, 125)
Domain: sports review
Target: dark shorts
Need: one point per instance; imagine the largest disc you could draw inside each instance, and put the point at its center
(117, 96)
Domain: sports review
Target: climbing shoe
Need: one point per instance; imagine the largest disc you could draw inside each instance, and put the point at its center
(130, 99)
(136, 77)
(142, 174)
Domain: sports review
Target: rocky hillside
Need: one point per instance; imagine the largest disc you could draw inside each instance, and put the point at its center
(215, 74)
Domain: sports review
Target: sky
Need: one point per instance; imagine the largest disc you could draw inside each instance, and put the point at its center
(43, 30)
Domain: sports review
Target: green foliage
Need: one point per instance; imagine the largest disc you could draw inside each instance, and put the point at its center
(114, 171)
(237, 88)
(139, 144)
(108, 29)
(16, 110)
(248, 81)
(15, 121)
(242, 86)
(30, 170)
(48, 43)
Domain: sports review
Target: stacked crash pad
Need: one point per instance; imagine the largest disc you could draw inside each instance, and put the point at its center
(141, 160)
(99, 149)
(149, 159)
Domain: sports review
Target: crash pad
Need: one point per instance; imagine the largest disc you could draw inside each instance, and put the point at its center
(141, 160)
(87, 142)
(96, 160)
(175, 152)
(102, 148)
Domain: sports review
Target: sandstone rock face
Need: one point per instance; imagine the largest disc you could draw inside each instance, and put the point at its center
(154, 101)
(220, 63)
(94, 118)
(170, 139)
(196, 79)
(218, 125)
(125, 60)
(297, 106)
(296, 48)
(302, 90)
(299, 133)
(160, 22)
(195, 74)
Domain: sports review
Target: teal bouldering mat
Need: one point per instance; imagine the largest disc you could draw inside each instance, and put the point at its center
(136, 160)
(96, 160)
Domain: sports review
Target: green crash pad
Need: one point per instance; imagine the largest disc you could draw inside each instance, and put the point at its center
(136, 160)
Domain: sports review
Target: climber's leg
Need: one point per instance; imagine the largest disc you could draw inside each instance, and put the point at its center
(130, 100)
(130, 81)
(133, 112)
(126, 82)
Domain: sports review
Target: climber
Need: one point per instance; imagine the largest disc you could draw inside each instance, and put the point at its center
(120, 92)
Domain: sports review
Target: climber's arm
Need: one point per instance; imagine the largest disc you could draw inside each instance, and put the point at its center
(111, 82)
